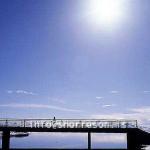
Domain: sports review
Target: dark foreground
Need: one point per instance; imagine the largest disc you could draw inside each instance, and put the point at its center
(60, 149)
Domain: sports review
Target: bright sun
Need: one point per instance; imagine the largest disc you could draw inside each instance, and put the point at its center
(105, 12)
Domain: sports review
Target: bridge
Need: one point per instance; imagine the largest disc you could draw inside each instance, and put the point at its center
(135, 135)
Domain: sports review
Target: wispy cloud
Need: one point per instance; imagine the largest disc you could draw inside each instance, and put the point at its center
(39, 106)
(141, 114)
(21, 92)
(108, 105)
(9, 91)
(116, 116)
(25, 92)
(99, 97)
(114, 92)
(146, 91)
(145, 109)
(57, 100)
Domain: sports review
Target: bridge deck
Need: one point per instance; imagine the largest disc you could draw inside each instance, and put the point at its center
(81, 130)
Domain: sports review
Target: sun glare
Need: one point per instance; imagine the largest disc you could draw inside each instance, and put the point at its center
(105, 12)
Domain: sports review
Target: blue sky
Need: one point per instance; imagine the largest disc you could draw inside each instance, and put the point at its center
(55, 62)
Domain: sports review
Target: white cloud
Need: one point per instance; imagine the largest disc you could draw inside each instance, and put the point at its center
(108, 105)
(147, 148)
(25, 92)
(141, 114)
(99, 97)
(21, 92)
(141, 110)
(39, 106)
(113, 116)
(114, 92)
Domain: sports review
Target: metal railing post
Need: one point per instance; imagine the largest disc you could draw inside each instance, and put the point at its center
(24, 123)
(136, 124)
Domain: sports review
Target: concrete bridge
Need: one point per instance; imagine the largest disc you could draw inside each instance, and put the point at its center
(135, 136)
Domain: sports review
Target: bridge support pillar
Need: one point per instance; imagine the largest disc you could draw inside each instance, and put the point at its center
(132, 141)
(89, 140)
(5, 140)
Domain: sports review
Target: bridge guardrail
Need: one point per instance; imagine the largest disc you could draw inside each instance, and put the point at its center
(68, 123)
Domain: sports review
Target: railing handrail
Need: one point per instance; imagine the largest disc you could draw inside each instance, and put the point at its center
(105, 120)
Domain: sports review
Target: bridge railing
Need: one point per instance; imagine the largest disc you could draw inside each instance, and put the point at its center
(68, 123)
